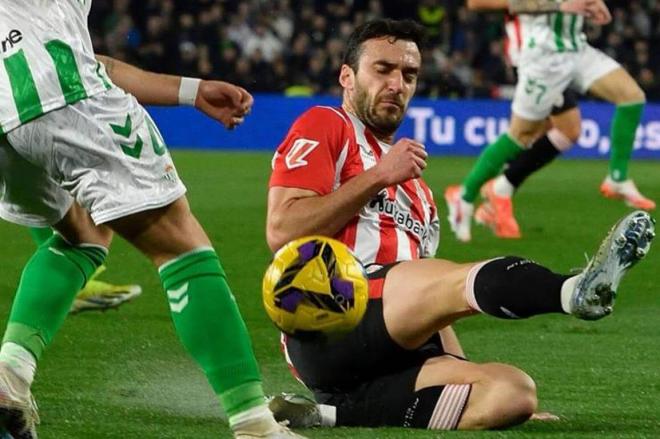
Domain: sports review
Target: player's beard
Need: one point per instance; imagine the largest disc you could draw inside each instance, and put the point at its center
(382, 121)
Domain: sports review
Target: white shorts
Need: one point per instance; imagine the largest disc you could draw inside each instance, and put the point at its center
(543, 76)
(105, 152)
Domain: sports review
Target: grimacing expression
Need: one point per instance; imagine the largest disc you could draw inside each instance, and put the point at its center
(385, 82)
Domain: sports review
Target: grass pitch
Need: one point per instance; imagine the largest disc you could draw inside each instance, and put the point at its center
(123, 374)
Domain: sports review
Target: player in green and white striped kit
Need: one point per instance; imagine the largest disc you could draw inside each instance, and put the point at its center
(556, 55)
(80, 154)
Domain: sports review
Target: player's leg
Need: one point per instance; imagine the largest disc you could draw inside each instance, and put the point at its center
(60, 267)
(205, 314)
(564, 132)
(497, 211)
(96, 294)
(535, 94)
(383, 384)
(605, 78)
(438, 292)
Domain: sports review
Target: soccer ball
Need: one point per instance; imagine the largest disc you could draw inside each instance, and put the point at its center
(315, 284)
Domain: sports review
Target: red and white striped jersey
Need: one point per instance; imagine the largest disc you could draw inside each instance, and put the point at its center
(324, 149)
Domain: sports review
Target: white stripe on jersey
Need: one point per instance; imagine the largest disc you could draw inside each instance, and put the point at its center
(367, 237)
(337, 112)
(40, 22)
(340, 165)
(403, 241)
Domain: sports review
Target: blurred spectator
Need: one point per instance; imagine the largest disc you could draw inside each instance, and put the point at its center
(295, 46)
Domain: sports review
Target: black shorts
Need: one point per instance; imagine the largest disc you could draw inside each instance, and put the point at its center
(365, 374)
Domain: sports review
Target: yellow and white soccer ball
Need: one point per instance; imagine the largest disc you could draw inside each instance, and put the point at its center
(315, 284)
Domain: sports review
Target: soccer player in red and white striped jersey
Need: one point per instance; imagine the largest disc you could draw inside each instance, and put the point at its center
(339, 172)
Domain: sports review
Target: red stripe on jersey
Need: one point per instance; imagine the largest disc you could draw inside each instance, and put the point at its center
(516, 24)
(389, 242)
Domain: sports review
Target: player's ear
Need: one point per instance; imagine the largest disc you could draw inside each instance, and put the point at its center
(346, 77)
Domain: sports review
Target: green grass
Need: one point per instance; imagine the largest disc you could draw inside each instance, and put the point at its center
(123, 374)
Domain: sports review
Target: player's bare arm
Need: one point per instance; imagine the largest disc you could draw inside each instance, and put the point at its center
(222, 101)
(579, 7)
(487, 5)
(295, 212)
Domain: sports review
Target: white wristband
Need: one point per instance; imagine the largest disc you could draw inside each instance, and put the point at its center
(188, 91)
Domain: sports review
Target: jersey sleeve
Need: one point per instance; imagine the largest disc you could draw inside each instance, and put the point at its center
(307, 157)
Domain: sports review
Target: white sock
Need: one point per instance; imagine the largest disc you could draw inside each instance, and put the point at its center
(503, 187)
(256, 415)
(328, 415)
(567, 289)
(20, 360)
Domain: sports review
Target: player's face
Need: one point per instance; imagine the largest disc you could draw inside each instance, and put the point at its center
(385, 82)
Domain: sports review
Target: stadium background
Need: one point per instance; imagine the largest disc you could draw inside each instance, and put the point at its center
(123, 374)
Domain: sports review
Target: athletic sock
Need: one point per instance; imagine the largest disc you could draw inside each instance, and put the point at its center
(50, 281)
(624, 127)
(542, 152)
(514, 288)
(489, 164)
(40, 234)
(503, 187)
(209, 324)
(21, 361)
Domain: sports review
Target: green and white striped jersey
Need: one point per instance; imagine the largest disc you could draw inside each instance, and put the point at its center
(556, 32)
(46, 58)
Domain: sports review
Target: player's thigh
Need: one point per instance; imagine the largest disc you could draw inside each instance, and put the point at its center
(605, 78)
(28, 195)
(106, 152)
(421, 297)
(164, 233)
(499, 394)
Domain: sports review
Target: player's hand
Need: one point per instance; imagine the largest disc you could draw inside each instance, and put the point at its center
(578, 7)
(544, 417)
(599, 14)
(405, 160)
(224, 102)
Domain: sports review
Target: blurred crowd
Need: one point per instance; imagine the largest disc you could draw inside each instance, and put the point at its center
(295, 46)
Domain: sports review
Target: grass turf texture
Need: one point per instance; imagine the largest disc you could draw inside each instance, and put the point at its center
(123, 374)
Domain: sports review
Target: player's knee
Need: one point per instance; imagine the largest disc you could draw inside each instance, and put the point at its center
(510, 397)
(571, 134)
(632, 95)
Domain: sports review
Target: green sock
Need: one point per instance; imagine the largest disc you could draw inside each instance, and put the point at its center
(40, 234)
(622, 134)
(50, 281)
(210, 326)
(489, 164)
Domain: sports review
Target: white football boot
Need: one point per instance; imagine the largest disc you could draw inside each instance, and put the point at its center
(18, 411)
(460, 213)
(627, 243)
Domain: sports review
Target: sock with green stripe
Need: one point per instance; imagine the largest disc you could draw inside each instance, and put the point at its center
(624, 127)
(210, 327)
(489, 164)
(50, 281)
(40, 234)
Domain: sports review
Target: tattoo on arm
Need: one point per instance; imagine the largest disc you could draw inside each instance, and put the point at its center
(533, 6)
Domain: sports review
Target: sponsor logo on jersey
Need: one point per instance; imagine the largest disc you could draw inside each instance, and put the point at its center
(401, 217)
(13, 38)
(301, 148)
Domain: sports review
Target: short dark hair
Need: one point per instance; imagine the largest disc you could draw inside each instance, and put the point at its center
(407, 30)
